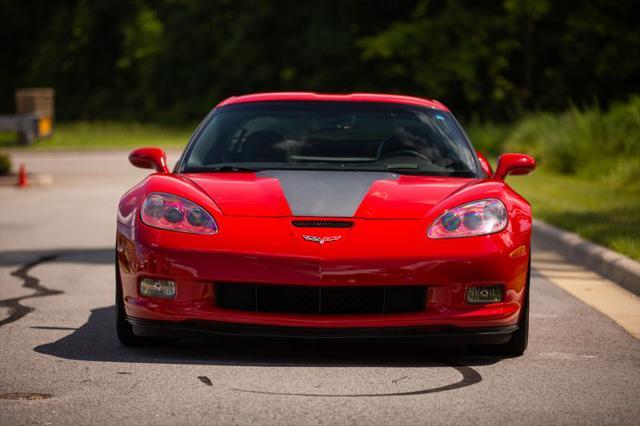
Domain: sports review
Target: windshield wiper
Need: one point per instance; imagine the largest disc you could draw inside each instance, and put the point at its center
(401, 167)
(416, 170)
(221, 168)
(409, 169)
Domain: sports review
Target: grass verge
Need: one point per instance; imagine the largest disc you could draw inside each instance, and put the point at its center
(595, 210)
(105, 135)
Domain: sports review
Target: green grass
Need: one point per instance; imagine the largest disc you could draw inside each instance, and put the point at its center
(105, 135)
(601, 212)
(591, 143)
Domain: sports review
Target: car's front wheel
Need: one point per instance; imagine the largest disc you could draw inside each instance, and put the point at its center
(124, 330)
(519, 339)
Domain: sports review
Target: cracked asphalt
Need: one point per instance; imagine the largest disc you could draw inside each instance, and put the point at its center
(60, 362)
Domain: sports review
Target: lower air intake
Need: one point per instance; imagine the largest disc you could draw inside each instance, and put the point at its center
(320, 300)
(322, 223)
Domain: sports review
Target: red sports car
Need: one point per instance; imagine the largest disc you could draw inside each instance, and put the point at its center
(326, 216)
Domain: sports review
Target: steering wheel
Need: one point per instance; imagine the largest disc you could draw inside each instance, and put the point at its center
(410, 152)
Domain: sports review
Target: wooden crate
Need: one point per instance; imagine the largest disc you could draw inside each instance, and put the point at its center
(38, 101)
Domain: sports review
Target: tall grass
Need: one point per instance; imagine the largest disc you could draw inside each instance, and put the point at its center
(588, 179)
(591, 143)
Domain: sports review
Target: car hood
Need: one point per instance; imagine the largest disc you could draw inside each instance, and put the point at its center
(367, 195)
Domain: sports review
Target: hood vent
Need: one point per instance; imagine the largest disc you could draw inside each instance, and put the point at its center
(322, 223)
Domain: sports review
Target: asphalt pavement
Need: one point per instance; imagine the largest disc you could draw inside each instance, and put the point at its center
(60, 362)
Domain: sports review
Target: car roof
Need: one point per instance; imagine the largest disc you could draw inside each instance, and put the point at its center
(332, 97)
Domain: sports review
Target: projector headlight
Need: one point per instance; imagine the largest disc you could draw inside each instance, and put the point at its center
(175, 213)
(476, 218)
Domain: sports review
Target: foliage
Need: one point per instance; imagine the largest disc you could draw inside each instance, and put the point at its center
(171, 60)
(588, 175)
(595, 210)
(488, 137)
(591, 142)
(5, 164)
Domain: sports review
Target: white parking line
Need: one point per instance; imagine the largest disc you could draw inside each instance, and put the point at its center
(617, 303)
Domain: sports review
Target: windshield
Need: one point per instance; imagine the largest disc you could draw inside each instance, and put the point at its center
(331, 136)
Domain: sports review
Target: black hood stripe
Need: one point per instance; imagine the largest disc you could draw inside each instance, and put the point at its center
(325, 193)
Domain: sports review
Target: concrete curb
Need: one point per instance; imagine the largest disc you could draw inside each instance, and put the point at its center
(614, 266)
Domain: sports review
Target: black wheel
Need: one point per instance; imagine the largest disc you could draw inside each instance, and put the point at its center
(519, 339)
(124, 330)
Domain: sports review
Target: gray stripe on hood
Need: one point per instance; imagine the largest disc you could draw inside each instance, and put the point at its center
(325, 192)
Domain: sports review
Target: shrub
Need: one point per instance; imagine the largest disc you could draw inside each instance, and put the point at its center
(591, 143)
(488, 138)
(5, 164)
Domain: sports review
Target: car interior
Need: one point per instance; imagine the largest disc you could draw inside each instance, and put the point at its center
(398, 141)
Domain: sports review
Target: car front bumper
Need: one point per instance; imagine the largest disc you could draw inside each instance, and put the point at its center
(445, 267)
(206, 329)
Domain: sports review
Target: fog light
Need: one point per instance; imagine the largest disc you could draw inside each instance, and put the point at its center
(158, 288)
(484, 294)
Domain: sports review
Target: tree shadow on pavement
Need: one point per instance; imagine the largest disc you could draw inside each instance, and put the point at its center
(74, 255)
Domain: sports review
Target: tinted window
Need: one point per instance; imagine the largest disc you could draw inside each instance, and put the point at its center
(332, 136)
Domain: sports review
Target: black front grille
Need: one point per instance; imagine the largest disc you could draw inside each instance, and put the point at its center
(322, 223)
(320, 300)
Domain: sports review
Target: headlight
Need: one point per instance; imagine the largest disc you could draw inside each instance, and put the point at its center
(471, 219)
(174, 213)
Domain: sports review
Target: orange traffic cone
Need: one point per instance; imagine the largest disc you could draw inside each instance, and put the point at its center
(22, 177)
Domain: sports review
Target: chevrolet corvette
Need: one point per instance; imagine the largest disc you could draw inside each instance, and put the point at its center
(326, 216)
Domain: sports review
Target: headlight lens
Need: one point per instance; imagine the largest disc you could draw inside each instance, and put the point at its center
(471, 219)
(175, 213)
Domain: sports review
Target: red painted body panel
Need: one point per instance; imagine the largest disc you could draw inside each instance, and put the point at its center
(353, 97)
(484, 163)
(407, 197)
(150, 158)
(387, 245)
(374, 252)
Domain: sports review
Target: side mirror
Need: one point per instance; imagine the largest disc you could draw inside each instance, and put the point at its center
(484, 163)
(514, 164)
(149, 158)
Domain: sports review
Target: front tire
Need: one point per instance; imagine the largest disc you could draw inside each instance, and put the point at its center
(519, 339)
(124, 330)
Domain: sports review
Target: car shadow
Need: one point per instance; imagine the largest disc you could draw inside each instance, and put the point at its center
(94, 256)
(96, 341)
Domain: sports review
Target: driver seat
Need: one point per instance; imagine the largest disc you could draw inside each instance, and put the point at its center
(400, 143)
(264, 146)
